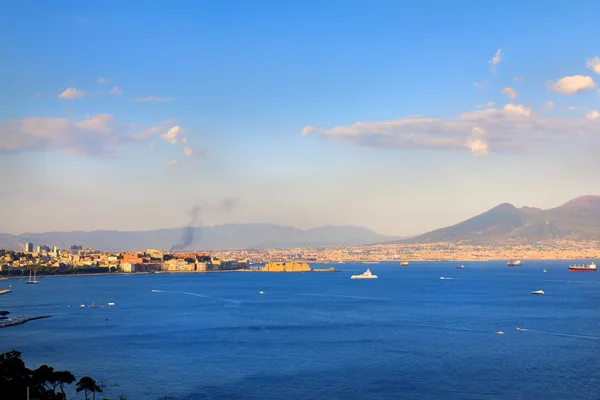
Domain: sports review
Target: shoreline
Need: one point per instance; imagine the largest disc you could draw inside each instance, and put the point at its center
(20, 320)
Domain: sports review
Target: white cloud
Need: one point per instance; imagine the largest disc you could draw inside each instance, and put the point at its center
(510, 93)
(594, 64)
(593, 115)
(116, 91)
(478, 147)
(71, 93)
(171, 135)
(512, 128)
(496, 60)
(549, 104)
(188, 151)
(152, 98)
(184, 140)
(572, 108)
(103, 80)
(171, 163)
(518, 110)
(573, 84)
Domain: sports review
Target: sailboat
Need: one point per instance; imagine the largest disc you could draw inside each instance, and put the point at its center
(32, 281)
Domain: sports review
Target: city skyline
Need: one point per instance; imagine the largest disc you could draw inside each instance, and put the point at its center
(401, 118)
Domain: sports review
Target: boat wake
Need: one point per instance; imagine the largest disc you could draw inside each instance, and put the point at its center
(560, 334)
(340, 296)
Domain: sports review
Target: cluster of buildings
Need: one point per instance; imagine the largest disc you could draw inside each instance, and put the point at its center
(150, 260)
(443, 251)
(283, 260)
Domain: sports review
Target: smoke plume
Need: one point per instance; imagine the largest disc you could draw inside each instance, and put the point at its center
(189, 231)
(229, 203)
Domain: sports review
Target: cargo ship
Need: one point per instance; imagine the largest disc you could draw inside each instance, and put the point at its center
(583, 268)
(516, 263)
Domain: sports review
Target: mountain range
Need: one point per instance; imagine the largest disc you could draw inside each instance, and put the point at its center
(220, 237)
(578, 219)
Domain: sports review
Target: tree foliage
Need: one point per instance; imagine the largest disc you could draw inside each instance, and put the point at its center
(44, 383)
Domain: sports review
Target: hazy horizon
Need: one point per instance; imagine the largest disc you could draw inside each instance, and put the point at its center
(301, 115)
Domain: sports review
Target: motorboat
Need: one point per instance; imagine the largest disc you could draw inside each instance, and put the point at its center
(366, 275)
(500, 333)
(540, 292)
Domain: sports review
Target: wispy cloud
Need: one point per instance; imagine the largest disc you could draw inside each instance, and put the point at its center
(486, 105)
(71, 94)
(116, 91)
(103, 80)
(572, 108)
(188, 151)
(171, 163)
(481, 86)
(148, 132)
(514, 127)
(152, 98)
(594, 64)
(510, 93)
(94, 135)
(573, 84)
(171, 135)
(496, 60)
(549, 104)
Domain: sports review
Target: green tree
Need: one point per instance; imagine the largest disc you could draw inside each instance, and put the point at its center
(47, 381)
(88, 385)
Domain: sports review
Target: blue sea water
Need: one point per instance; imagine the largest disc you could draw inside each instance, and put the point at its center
(406, 335)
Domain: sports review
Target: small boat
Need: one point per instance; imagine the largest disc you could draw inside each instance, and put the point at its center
(261, 292)
(403, 263)
(460, 267)
(540, 292)
(111, 304)
(445, 279)
(32, 281)
(156, 291)
(82, 305)
(94, 305)
(545, 270)
(500, 333)
(516, 263)
(366, 275)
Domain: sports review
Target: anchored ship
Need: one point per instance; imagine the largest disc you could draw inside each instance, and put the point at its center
(516, 263)
(366, 275)
(583, 268)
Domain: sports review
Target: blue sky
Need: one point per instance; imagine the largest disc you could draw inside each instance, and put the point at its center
(398, 116)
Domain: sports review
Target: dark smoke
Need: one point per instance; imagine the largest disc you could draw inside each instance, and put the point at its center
(188, 232)
(230, 203)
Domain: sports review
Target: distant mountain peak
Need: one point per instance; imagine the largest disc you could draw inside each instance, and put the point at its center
(578, 219)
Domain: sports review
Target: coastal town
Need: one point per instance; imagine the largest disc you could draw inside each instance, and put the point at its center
(83, 260)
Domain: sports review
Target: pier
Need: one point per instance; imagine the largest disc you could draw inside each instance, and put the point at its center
(18, 321)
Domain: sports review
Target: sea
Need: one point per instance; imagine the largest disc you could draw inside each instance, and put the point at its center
(321, 335)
